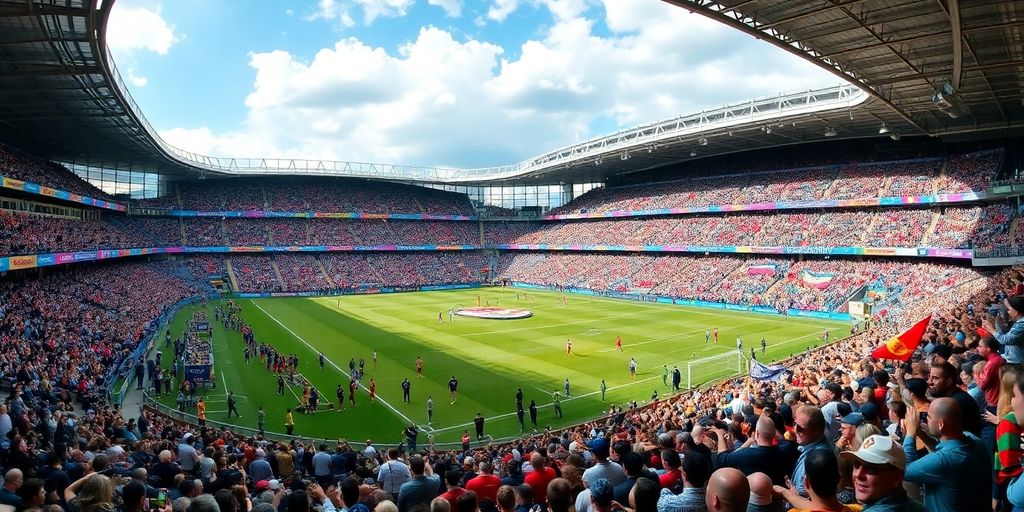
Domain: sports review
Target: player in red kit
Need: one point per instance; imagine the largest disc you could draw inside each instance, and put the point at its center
(618, 343)
(373, 390)
(715, 334)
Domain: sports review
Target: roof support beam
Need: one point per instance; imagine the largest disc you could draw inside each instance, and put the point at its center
(731, 18)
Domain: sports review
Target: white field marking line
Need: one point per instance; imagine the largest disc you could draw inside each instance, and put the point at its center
(697, 310)
(534, 328)
(335, 365)
(667, 336)
(610, 388)
(217, 411)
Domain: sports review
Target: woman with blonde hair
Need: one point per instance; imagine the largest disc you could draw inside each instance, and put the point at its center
(1008, 445)
(91, 493)
(386, 506)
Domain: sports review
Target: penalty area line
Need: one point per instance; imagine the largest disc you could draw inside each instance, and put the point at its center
(335, 365)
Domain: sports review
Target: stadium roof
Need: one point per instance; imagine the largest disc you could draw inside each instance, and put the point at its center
(61, 95)
(944, 66)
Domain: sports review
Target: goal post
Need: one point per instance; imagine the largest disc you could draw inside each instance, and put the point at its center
(709, 368)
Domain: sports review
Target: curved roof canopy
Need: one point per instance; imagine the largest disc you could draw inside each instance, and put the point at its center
(61, 96)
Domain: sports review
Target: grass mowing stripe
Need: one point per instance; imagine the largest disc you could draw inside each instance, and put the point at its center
(336, 367)
(490, 367)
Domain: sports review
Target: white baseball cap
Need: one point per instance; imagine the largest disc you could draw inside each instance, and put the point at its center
(879, 449)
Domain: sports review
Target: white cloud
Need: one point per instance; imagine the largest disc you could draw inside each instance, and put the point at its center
(140, 28)
(372, 9)
(501, 9)
(442, 101)
(452, 8)
(330, 10)
(135, 79)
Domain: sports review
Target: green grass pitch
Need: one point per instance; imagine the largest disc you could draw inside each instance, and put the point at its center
(490, 358)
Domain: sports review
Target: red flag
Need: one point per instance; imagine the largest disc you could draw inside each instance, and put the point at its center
(902, 347)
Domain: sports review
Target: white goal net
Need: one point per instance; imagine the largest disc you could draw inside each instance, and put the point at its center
(710, 368)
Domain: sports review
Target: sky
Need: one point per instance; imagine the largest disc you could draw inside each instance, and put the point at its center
(450, 83)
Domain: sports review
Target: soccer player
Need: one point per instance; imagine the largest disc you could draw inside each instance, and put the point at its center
(430, 409)
(519, 415)
(715, 334)
(341, 397)
(533, 414)
(567, 394)
(707, 336)
(419, 367)
(261, 420)
(764, 345)
(752, 355)
(453, 388)
(375, 359)
(352, 366)
(232, 405)
(373, 390)
(352, 392)
(556, 400)
(604, 388)
(568, 347)
(451, 315)
(618, 343)
(478, 422)
(824, 336)
(739, 344)
(406, 386)
(362, 364)
(440, 319)
(280, 384)
(519, 398)
(632, 368)
(664, 375)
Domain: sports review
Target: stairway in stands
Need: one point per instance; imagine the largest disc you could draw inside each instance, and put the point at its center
(280, 278)
(323, 270)
(231, 274)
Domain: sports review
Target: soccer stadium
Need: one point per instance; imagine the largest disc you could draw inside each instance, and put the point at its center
(806, 300)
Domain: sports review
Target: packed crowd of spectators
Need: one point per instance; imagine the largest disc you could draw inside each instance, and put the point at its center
(954, 227)
(951, 228)
(256, 274)
(838, 430)
(302, 272)
(65, 331)
(737, 279)
(345, 271)
(25, 233)
(24, 167)
(963, 173)
(318, 195)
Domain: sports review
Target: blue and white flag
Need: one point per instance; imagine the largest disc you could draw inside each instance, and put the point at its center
(763, 373)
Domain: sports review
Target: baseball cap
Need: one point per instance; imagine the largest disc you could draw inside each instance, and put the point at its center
(274, 484)
(854, 418)
(601, 491)
(599, 446)
(879, 449)
(262, 485)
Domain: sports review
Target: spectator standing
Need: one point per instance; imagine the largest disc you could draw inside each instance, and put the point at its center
(421, 488)
(957, 476)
